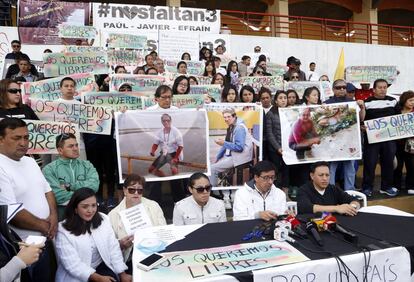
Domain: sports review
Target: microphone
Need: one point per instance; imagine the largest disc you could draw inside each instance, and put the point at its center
(311, 228)
(281, 234)
(330, 223)
(296, 227)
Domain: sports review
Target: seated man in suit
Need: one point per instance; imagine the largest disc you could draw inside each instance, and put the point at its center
(320, 196)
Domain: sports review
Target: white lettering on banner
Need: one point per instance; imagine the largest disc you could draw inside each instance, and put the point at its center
(135, 218)
(144, 18)
(392, 264)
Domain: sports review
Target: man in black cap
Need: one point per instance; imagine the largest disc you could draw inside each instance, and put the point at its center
(294, 66)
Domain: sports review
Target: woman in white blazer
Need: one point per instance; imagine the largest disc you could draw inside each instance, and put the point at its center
(86, 246)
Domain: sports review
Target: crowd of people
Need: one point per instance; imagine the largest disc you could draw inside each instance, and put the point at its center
(61, 195)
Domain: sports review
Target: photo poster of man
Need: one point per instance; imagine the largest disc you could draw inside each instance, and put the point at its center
(162, 145)
(320, 133)
(235, 137)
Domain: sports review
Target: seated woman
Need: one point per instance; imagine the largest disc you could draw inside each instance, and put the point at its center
(133, 190)
(86, 246)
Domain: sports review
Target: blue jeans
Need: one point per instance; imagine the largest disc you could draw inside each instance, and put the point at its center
(349, 173)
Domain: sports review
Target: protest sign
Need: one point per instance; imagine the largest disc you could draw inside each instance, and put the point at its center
(212, 90)
(203, 80)
(58, 64)
(116, 100)
(39, 20)
(117, 40)
(77, 31)
(43, 134)
(276, 69)
(357, 74)
(250, 121)
(300, 87)
(320, 133)
(207, 263)
(171, 45)
(186, 125)
(185, 101)
(126, 57)
(274, 83)
(89, 118)
(193, 67)
(390, 128)
(49, 89)
(152, 19)
(82, 49)
(135, 218)
(141, 83)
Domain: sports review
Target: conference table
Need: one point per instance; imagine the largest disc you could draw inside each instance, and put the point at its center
(384, 251)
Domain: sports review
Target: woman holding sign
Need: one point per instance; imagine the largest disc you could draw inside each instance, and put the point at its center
(86, 246)
(133, 189)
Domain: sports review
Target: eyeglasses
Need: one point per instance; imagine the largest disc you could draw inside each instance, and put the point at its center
(14, 90)
(257, 50)
(15, 46)
(62, 137)
(267, 178)
(202, 189)
(166, 120)
(340, 87)
(166, 97)
(183, 84)
(295, 77)
(134, 191)
(259, 72)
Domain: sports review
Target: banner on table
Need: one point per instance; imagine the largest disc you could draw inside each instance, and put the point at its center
(39, 21)
(274, 83)
(118, 40)
(320, 133)
(206, 263)
(144, 19)
(357, 74)
(390, 128)
(116, 100)
(300, 86)
(186, 125)
(185, 101)
(171, 45)
(141, 83)
(43, 134)
(89, 118)
(392, 264)
(126, 57)
(77, 31)
(249, 122)
(58, 64)
(49, 89)
(193, 67)
(212, 91)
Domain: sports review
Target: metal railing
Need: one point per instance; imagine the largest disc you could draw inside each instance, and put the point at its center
(261, 24)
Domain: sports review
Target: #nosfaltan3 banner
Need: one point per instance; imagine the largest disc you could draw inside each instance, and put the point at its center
(320, 133)
(236, 138)
(39, 21)
(162, 144)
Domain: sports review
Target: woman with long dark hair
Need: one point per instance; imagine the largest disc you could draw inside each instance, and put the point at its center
(86, 246)
(229, 94)
(181, 85)
(233, 74)
(209, 69)
(247, 94)
(11, 104)
(312, 96)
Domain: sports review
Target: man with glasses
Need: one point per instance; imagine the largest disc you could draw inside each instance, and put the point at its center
(16, 47)
(260, 198)
(163, 97)
(199, 208)
(170, 141)
(294, 66)
(22, 181)
(69, 173)
(319, 196)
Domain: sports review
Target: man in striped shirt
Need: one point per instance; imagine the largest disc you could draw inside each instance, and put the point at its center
(377, 106)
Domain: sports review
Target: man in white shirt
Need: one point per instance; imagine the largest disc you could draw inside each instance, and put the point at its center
(200, 207)
(260, 198)
(163, 97)
(170, 141)
(21, 181)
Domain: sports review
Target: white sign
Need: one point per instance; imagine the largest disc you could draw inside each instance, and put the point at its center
(135, 218)
(173, 45)
(150, 19)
